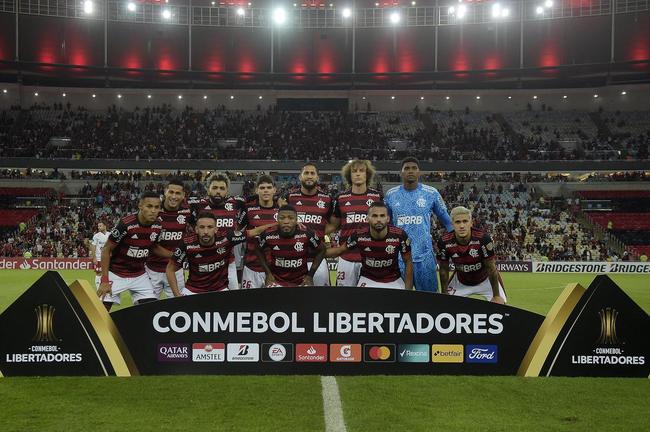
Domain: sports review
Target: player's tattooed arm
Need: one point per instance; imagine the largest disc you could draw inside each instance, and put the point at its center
(408, 271)
(493, 276)
(443, 271)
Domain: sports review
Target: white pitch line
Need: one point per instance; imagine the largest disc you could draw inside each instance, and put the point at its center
(332, 409)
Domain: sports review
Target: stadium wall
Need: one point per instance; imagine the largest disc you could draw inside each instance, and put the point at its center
(609, 98)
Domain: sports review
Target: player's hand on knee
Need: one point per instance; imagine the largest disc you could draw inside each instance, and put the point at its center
(498, 299)
(104, 288)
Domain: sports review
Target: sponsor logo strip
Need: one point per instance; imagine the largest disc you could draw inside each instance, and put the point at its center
(447, 353)
(413, 353)
(481, 354)
(208, 352)
(278, 352)
(379, 353)
(243, 352)
(311, 352)
(345, 353)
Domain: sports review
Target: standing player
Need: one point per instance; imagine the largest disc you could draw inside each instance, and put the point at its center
(472, 253)
(351, 213)
(261, 210)
(126, 251)
(314, 209)
(174, 218)
(285, 249)
(229, 213)
(411, 207)
(99, 240)
(207, 252)
(380, 245)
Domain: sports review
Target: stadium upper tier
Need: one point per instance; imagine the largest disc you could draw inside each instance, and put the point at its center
(63, 132)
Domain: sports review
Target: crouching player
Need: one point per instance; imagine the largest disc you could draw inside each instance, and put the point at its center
(472, 253)
(380, 245)
(207, 254)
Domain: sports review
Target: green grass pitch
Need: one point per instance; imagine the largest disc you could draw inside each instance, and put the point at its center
(272, 403)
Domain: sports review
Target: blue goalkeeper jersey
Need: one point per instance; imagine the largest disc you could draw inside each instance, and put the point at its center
(411, 210)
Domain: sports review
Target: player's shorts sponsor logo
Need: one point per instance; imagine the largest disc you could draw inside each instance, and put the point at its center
(208, 352)
(278, 352)
(447, 353)
(173, 352)
(171, 235)
(243, 352)
(136, 252)
(413, 353)
(481, 354)
(345, 353)
(311, 352)
(410, 220)
(379, 353)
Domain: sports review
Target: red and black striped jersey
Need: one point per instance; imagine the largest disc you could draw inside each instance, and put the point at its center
(208, 266)
(467, 259)
(379, 257)
(287, 256)
(174, 228)
(256, 216)
(352, 210)
(134, 242)
(314, 211)
(230, 213)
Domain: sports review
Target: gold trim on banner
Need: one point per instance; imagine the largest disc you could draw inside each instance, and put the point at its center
(103, 324)
(1, 374)
(548, 332)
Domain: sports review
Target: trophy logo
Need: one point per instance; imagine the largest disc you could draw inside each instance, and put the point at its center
(608, 318)
(45, 324)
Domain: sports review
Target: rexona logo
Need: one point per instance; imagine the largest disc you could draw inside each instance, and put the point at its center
(350, 353)
(413, 353)
(277, 352)
(379, 353)
(447, 353)
(243, 352)
(311, 352)
(481, 354)
(173, 352)
(208, 352)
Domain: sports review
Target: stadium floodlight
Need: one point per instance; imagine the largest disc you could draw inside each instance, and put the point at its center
(595, 96)
(421, 97)
(4, 91)
(347, 12)
(119, 96)
(36, 94)
(548, 4)
(623, 92)
(205, 97)
(166, 14)
(180, 97)
(64, 95)
(89, 6)
(392, 98)
(279, 16)
(241, 12)
(496, 10)
(447, 97)
(564, 97)
(509, 97)
(394, 17)
(260, 97)
(413, 3)
(213, 3)
(148, 96)
(462, 10)
(130, 6)
(94, 95)
(478, 97)
(232, 97)
(535, 97)
(376, 4)
(539, 10)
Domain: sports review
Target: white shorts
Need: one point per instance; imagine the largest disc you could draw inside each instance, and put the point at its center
(347, 273)
(98, 280)
(140, 288)
(161, 284)
(396, 284)
(239, 251)
(252, 279)
(233, 281)
(483, 289)
(322, 275)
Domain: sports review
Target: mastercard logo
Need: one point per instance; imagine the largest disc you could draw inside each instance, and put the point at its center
(379, 353)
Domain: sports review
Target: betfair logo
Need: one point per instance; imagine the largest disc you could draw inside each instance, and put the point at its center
(608, 335)
(45, 324)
